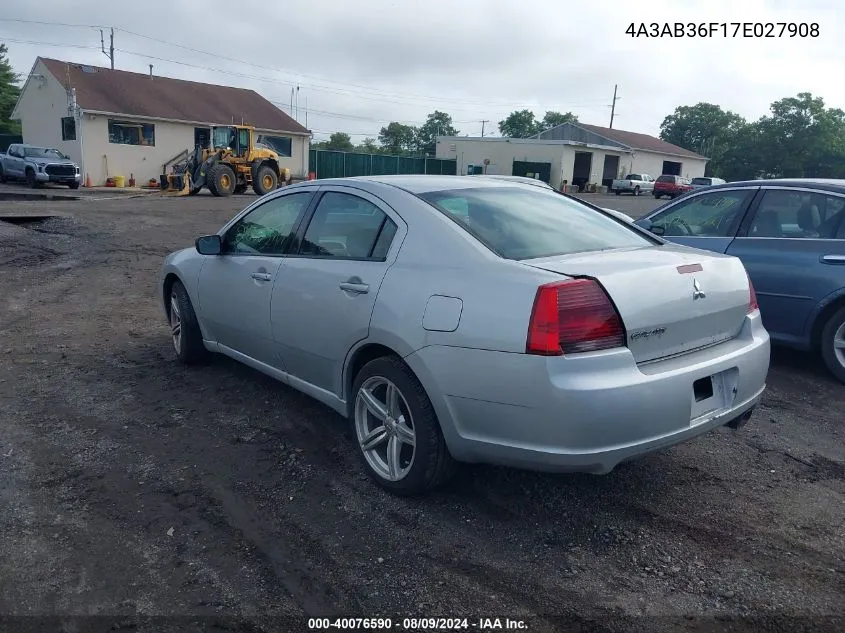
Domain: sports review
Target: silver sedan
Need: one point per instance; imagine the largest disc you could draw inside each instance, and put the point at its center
(457, 319)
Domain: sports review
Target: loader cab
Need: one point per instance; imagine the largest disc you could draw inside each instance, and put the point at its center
(232, 137)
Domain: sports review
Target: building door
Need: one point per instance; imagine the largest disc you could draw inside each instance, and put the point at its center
(671, 168)
(581, 169)
(541, 171)
(202, 136)
(611, 170)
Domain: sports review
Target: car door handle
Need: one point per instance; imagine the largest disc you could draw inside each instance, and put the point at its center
(356, 287)
(261, 276)
(833, 259)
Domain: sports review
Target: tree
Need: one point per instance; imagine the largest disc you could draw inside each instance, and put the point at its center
(704, 128)
(436, 124)
(368, 146)
(553, 119)
(397, 138)
(340, 142)
(9, 92)
(519, 124)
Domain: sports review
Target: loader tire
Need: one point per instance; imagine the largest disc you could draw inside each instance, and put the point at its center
(265, 180)
(221, 180)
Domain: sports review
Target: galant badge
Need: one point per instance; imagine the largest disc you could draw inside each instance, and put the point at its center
(697, 292)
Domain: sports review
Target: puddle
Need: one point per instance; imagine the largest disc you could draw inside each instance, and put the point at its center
(27, 221)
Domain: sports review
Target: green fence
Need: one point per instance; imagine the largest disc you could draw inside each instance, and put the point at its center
(328, 164)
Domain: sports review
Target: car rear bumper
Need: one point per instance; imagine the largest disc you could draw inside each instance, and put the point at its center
(585, 413)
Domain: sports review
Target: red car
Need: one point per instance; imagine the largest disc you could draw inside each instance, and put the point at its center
(672, 186)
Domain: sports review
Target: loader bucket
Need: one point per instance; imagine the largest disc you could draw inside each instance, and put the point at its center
(177, 185)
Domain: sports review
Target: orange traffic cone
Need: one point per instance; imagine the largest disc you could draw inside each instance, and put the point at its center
(87, 180)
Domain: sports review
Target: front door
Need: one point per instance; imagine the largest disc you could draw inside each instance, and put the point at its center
(708, 220)
(235, 287)
(325, 293)
(794, 251)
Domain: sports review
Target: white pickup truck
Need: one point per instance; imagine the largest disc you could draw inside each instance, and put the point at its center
(633, 183)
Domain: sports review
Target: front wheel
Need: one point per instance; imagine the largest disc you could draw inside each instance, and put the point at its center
(74, 185)
(222, 180)
(265, 180)
(184, 328)
(833, 344)
(399, 437)
(31, 180)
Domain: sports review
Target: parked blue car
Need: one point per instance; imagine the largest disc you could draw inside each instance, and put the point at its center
(790, 234)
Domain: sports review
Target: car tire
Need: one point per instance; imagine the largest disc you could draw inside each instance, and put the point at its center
(2, 175)
(187, 342)
(74, 185)
(833, 344)
(636, 191)
(617, 192)
(31, 180)
(428, 463)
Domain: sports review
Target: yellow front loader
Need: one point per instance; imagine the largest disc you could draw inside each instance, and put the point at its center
(233, 162)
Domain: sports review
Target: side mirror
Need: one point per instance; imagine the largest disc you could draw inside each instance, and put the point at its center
(209, 245)
(646, 224)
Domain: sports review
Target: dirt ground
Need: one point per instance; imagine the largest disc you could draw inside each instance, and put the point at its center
(132, 486)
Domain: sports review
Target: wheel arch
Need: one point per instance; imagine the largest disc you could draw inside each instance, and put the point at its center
(828, 306)
(356, 360)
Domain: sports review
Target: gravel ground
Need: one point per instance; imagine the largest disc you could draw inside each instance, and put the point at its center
(132, 486)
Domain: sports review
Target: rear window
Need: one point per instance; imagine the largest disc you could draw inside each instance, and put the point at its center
(701, 181)
(522, 224)
(666, 179)
(634, 177)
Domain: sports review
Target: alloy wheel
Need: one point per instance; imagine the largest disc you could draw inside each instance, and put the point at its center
(175, 323)
(385, 428)
(839, 344)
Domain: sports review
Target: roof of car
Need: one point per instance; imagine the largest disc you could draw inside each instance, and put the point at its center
(419, 183)
(831, 184)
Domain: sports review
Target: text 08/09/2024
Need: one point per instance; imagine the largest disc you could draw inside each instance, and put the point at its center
(723, 29)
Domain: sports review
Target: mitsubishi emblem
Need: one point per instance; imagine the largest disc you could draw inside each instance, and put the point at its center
(697, 292)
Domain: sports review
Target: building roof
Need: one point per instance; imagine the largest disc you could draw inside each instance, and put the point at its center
(642, 142)
(137, 94)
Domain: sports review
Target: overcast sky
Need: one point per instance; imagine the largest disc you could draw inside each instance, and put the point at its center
(362, 63)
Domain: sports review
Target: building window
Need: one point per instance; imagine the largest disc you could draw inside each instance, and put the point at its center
(280, 144)
(68, 128)
(128, 133)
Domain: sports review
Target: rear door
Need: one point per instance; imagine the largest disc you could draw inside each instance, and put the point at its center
(707, 220)
(793, 246)
(326, 290)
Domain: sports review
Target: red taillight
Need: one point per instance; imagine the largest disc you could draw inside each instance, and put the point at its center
(752, 297)
(573, 316)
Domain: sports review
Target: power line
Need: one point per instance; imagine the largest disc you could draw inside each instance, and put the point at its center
(366, 92)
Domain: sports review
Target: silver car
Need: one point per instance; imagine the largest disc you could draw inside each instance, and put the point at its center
(456, 319)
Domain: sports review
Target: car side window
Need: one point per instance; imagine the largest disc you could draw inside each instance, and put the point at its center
(714, 214)
(347, 226)
(267, 229)
(797, 214)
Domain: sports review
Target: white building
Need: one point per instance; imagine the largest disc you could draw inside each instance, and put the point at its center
(118, 123)
(573, 152)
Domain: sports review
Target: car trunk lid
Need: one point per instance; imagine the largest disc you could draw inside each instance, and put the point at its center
(672, 299)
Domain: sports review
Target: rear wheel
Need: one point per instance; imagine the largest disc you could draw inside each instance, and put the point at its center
(399, 437)
(833, 344)
(222, 180)
(636, 191)
(265, 180)
(184, 327)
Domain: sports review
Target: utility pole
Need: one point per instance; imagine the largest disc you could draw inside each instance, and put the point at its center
(482, 126)
(110, 54)
(613, 105)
